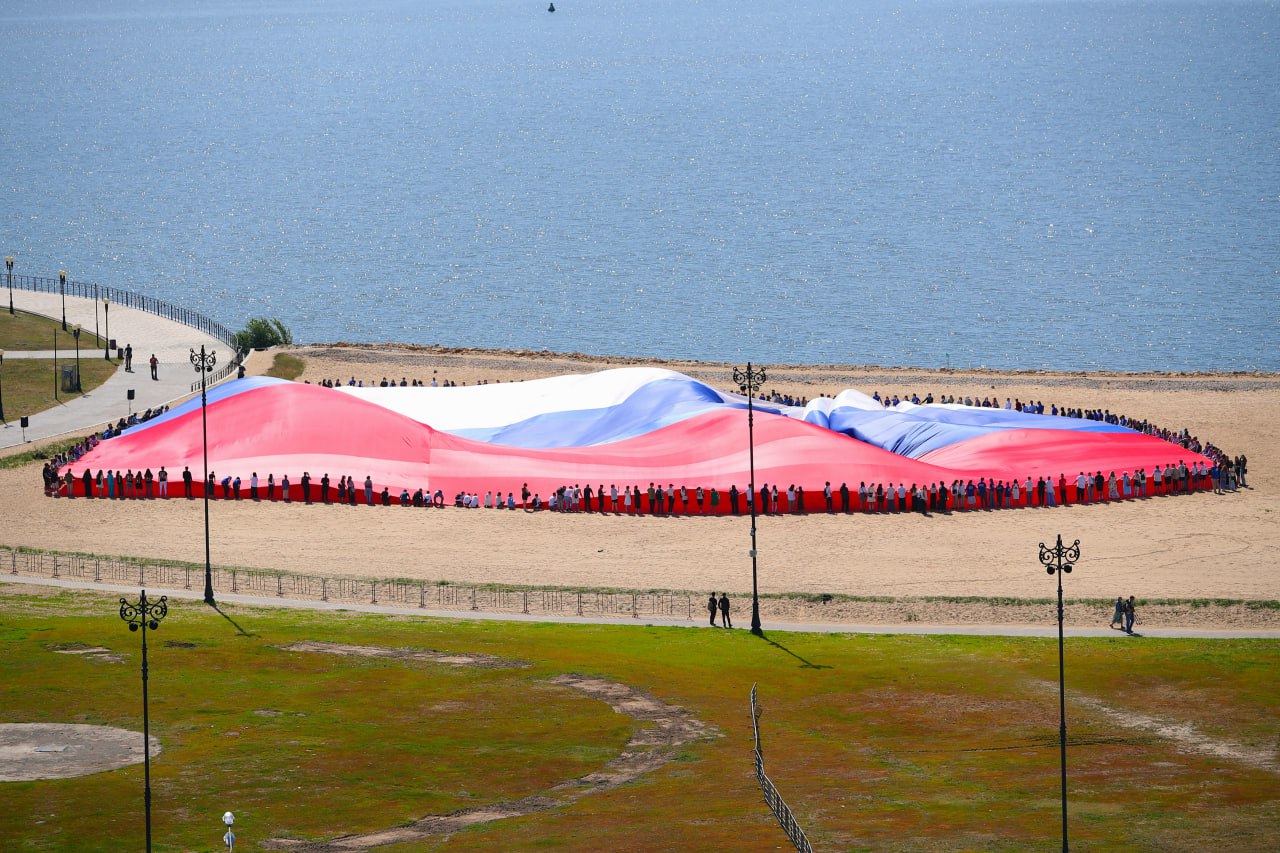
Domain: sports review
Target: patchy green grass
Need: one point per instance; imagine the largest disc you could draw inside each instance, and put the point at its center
(877, 742)
(286, 366)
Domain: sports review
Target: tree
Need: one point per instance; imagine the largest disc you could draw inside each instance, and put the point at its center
(261, 332)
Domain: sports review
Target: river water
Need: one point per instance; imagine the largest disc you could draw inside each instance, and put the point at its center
(1068, 185)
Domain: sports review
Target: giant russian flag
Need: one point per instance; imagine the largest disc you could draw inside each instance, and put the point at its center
(631, 426)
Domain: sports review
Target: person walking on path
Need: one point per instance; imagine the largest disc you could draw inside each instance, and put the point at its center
(712, 606)
(1117, 618)
(725, 621)
(155, 364)
(1129, 615)
(128, 358)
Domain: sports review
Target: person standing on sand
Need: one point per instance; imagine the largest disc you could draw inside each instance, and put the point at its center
(725, 621)
(1117, 618)
(711, 608)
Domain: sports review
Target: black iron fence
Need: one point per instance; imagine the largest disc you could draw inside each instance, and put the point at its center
(127, 298)
(217, 376)
(393, 593)
(771, 796)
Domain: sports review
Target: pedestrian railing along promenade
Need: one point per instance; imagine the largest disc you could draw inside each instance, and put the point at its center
(127, 298)
(776, 804)
(392, 593)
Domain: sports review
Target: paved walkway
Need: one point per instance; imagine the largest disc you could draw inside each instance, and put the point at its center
(807, 627)
(171, 342)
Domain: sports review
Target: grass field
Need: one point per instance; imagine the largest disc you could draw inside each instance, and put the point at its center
(877, 742)
(285, 366)
(28, 384)
(23, 331)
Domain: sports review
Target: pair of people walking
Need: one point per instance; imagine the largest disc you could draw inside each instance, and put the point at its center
(720, 605)
(1124, 614)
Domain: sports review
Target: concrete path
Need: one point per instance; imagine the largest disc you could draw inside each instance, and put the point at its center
(807, 627)
(171, 342)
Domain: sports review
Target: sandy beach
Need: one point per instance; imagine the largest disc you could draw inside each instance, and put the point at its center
(1186, 547)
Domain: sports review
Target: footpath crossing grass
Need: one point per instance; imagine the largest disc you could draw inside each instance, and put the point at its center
(877, 742)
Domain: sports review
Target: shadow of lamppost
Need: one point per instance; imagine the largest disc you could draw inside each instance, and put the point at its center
(203, 363)
(3, 419)
(1059, 560)
(145, 615)
(749, 381)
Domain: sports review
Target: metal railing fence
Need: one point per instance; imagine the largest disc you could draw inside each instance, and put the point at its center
(127, 298)
(392, 593)
(772, 798)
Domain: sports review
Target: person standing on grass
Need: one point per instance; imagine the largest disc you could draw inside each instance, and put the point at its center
(712, 606)
(725, 621)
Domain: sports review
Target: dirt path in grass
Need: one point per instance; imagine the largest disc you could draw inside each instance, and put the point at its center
(1185, 736)
(663, 729)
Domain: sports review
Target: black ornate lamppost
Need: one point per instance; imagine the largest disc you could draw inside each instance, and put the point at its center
(1059, 560)
(145, 615)
(8, 265)
(106, 319)
(203, 363)
(62, 286)
(750, 380)
(75, 331)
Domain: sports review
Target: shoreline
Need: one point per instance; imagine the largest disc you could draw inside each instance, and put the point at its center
(615, 360)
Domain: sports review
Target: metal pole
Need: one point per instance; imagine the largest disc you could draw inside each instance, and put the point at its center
(106, 319)
(62, 286)
(1060, 560)
(76, 333)
(749, 382)
(95, 310)
(8, 264)
(144, 615)
(203, 363)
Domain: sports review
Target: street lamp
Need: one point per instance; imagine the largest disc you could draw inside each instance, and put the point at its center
(203, 363)
(62, 285)
(75, 331)
(145, 615)
(1060, 560)
(106, 317)
(8, 264)
(749, 381)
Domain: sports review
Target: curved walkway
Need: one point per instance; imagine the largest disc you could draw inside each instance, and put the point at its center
(806, 627)
(147, 333)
